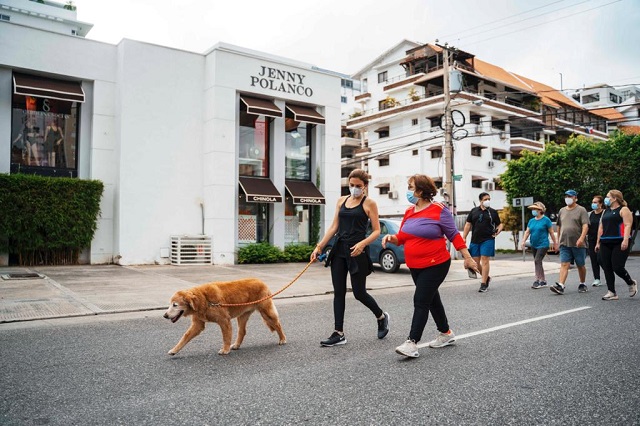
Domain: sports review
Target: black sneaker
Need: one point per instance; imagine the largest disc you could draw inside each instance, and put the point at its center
(536, 284)
(483, 288)
(557, 288)
(582, 288)
(334, 340)
(542, 284)
(383, 326)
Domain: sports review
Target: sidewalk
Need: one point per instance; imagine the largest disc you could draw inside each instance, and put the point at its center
(72, 291)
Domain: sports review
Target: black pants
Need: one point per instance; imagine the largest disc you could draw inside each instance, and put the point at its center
(595, 261)
(613, 259)
(339, 272)
(427, 299)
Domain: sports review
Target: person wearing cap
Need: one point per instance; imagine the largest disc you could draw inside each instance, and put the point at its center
(540, 228)
(613, 243)
(573, 225)
(484, 224)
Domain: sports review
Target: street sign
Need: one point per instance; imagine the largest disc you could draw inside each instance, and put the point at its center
(457, 178)
(522, 201)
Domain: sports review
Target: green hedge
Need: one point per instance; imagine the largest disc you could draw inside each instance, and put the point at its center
(266, 253)
(47, 221)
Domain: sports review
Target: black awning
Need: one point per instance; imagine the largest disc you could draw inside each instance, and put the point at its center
(259, 190)
(304, 192)
(261, 107)
(42, 87)
(306, 114)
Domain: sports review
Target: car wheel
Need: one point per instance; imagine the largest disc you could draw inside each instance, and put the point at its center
(389, 261)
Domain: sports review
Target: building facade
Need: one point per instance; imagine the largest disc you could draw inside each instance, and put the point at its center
(233, 144)
(495, 115)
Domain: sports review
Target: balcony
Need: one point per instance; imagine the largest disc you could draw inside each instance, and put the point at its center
(352, 142)
(520, 143)
(402, 82)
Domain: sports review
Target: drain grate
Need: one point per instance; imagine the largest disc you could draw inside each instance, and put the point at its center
(22, 276)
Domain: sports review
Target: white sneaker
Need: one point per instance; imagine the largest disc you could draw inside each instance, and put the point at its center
(610, 296)
(633, 288)
(408, 349)
(596, 283)
(443, 340)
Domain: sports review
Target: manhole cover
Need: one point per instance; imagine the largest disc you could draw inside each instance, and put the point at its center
(21, 276)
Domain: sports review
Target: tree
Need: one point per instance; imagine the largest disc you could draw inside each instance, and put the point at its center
(511, 219)
(587, 166)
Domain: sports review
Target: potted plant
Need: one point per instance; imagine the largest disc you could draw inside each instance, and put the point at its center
(413, 94)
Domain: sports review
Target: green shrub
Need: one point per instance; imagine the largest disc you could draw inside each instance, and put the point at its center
(47, 221)
(260, 253)
(298, 253)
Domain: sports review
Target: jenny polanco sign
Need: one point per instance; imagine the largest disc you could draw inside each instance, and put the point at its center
(281, 81)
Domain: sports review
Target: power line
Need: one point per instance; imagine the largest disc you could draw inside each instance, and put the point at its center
(500, 20)
(544, 23)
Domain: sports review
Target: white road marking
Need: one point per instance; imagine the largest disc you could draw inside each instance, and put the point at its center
(513, 324)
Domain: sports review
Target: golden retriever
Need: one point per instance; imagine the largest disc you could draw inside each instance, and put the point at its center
(199, 303)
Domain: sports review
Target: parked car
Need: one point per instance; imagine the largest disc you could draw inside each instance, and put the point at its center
(390, 258)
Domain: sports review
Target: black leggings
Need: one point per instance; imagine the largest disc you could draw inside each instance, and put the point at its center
(427, 299)
(613, 259)
(339, 271)
(595, 261)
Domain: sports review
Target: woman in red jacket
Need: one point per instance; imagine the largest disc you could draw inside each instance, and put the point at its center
(422, 231)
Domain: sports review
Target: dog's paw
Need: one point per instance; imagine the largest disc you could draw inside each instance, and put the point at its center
(235, 347)
(172, 353)
(282, 342)
(223, 351)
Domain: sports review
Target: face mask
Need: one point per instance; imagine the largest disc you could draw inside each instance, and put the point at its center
(568, 201)
(607, 202)
(355, 191)
(411, 197)
(486, 204)
(534, 213)
(594, 206)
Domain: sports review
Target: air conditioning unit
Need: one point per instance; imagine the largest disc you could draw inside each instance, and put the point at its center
(479, 129)
(503, 135)
(488, 186)
(490, 164)
(393, 195)
(191, 250)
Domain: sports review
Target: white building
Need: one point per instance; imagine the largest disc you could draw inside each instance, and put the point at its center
(496, 114)
(225, 143)
(606, 98)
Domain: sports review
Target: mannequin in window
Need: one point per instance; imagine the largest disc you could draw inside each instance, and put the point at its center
(54, 144)
(26, 143)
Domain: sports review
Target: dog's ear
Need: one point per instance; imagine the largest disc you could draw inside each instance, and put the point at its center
(190, 299)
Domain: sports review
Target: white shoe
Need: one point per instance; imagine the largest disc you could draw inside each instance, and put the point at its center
(610, 296)
(596, 283)
(408, 349)
(633, 288)
(443, 340)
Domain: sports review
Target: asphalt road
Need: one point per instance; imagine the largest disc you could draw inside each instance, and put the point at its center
(524, 357)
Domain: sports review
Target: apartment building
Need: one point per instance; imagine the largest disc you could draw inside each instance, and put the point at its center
(496, 115)
(606, 99)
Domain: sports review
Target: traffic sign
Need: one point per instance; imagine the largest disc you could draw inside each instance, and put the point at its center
(457, 178)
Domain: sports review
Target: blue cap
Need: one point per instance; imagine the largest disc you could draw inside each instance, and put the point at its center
(571, 193)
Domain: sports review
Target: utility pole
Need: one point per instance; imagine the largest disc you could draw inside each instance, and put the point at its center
(449, 186)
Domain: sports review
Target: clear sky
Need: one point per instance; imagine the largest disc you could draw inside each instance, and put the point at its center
(587, 41)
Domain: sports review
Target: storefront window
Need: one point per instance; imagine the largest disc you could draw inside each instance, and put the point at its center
(44, 136)
(297, 222)
(255, 137)
(253, 222)
(297, 150)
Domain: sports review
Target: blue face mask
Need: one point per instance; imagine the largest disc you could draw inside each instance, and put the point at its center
(594, 206)
(411, 197)
(534, 213)
(607, 202)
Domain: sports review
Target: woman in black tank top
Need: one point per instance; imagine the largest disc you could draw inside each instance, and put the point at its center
(350, 254)
(613, 243)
